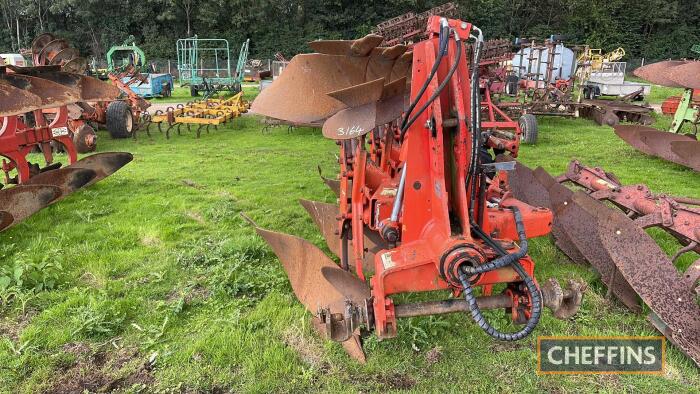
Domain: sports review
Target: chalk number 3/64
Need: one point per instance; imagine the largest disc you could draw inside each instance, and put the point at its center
(352, 131)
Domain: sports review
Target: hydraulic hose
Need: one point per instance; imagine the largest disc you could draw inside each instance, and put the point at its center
(504, 260)
(443, 39)
(440, 88)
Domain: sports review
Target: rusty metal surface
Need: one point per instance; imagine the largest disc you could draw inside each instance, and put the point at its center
(359, 47)
(89, 88)
(65, 56)
(103, 164)
(354, 122)
(51, 94)
(581, 231)
(305, 92)
(6, 220)
(304, 264)
(67, 179)
(656, 73)
(23, 201)
(686, 75)
(527, 188)
(325, 217)
(659, 143)
(650, 272)
(688, 152)
(15, 101)
(49, 51)
(40, 42)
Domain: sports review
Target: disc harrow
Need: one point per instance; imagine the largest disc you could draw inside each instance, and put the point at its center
(37, 107)
(614, 242)
(422, 205)
(202, 114)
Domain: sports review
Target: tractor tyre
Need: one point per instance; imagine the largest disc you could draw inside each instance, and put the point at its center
(120, 121)
(85, 139)
(528, 128)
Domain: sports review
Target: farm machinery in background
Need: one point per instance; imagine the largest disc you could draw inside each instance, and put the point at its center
(205, 66)
(614, 242)
(121, 114)
(674, 145)
(423, 204)
(410, 27)
(39, 106)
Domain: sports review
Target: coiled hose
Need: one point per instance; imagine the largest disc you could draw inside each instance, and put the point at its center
(504, 260)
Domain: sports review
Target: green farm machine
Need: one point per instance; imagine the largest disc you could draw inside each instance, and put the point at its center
(205, 65)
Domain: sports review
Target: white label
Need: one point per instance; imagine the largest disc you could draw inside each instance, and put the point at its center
(59, 131)
(387, 261)
(352, 131)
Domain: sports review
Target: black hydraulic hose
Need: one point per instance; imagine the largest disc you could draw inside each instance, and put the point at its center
(439, 89)
(504, 260)
(443, 39)
(475, 127)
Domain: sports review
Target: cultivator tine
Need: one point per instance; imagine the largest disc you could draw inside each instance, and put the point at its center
(23, 201)
(103, 164)
(15, 101)
(688, 152)
(650, 272)
(308, 270)
(51, 94)
(67, 179)
(657, 73)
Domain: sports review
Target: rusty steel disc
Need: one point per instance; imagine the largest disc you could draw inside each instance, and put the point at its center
(23, 201)
(359, 47)
(103, 164)
(50, 50)
(650, 272)
(657, 73)
(65, 56)
(686, 75)
(52, 94)
(688, 152)
(14, 101)
(40, 42)
(67, 179)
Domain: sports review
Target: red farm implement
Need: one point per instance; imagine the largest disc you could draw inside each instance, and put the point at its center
(423, 204)
(38, 105)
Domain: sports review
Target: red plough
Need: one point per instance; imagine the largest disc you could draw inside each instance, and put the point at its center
(423, 205)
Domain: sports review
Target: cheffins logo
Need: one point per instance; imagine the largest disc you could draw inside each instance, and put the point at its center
(601, 355)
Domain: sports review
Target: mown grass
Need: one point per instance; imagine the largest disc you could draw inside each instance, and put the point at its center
(162, 287)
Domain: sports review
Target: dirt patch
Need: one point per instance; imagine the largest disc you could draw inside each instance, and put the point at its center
(308, 350)
(398, 381)
(196, 293)
(12, 328)
(433, 355)
(196, 216)
(150, 240)
(191, 183)
(101, 371)
(506, 346)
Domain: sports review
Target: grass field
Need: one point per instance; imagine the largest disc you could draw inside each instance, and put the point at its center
(151, 282)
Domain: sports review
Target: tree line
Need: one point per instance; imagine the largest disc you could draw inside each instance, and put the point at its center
(653, 29)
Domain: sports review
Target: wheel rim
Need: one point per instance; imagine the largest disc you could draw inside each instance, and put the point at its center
(129, 122)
